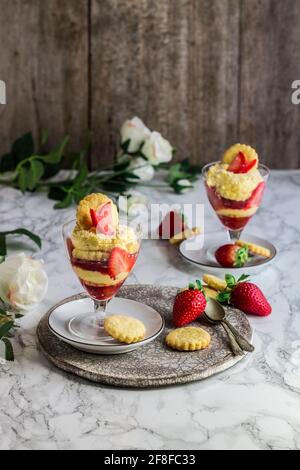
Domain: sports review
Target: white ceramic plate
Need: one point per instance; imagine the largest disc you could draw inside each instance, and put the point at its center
(63, 312)
(204, 256)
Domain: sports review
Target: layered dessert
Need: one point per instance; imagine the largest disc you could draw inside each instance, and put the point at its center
(101, 250)
(235, 186)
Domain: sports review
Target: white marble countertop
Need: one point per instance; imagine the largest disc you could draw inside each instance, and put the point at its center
(255, 405)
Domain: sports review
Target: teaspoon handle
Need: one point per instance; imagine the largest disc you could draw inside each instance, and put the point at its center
(237, 351)
(242, 342)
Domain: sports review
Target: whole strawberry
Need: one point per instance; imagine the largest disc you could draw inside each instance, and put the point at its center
(245, 296)
(231, 255)
(189, 304)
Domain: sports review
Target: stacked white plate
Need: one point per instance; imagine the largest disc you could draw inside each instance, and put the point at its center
(62, 313)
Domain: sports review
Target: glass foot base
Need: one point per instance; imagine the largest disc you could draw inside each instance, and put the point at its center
(88, 326)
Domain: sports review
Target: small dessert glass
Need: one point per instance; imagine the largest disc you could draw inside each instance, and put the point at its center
(235, 225)
(89, 325)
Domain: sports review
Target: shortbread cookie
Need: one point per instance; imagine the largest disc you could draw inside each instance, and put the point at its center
(213, 294)
(233, 151)
(214, 282)
(188, 233)
(124, 328)
(93, 201)
(255, 249)
(188, 339)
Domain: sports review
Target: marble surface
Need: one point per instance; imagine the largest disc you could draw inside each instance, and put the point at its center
(254, 405)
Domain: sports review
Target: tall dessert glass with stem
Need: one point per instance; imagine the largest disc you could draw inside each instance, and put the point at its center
(101, 270)
(234, 196)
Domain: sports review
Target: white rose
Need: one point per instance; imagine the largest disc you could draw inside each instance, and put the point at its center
(186, 185)
(157, 149)
(141, 168)
(23, 281)
(135, 130)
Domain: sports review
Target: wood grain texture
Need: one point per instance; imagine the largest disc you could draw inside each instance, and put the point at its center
(174, 63)
(270, 62)
(205, 73)
(43, 60)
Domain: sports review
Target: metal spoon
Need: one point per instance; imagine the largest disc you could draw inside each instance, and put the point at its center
(235, 348)
(215, 312)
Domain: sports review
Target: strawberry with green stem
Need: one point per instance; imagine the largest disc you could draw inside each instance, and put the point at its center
(189, 304)
(245, 296)
(232, 256)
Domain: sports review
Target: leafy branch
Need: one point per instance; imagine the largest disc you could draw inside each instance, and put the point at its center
(19, 231)
(31, 167)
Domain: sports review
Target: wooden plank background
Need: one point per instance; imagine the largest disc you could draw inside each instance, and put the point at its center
(205, 73)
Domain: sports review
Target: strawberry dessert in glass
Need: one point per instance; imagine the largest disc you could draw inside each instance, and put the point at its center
(102, 250)
(235, 187)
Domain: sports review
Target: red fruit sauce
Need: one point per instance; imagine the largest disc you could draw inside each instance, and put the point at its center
(95, 291)
(218, 202)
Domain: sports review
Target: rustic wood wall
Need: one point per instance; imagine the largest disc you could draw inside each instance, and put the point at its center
(206, 73)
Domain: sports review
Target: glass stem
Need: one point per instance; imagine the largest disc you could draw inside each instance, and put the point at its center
(234, 235)
(100, 311)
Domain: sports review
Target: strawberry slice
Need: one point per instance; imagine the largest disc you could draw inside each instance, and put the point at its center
(256, 196)
(120, 261)
(94, 217)
(249, 166)
(102, 219)
(241, 165)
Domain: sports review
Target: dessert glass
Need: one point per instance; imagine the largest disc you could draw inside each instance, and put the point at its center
(89, 325)
(235, 215)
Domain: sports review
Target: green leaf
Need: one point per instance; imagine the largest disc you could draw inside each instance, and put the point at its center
(241, 257)
(80, 193)
(56, 154)
(129, 175)
(9, 352)
(191, 169)
(23, 178)
(230, 280)
(82, 173)
(243, 277)
(121, 165)
(58, 193)
(23, 147)
(3, 249)
(2, 312)
(35, 174)
(7, 163)
(4, 329)
(125, 145)
(115, 186)
(223, 297)
(45, 136)
(23, 231)
(66, 202)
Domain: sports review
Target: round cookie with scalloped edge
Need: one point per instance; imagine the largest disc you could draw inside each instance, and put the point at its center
(233, 151)
(93, 201)
(125, 328)
(190, 338)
